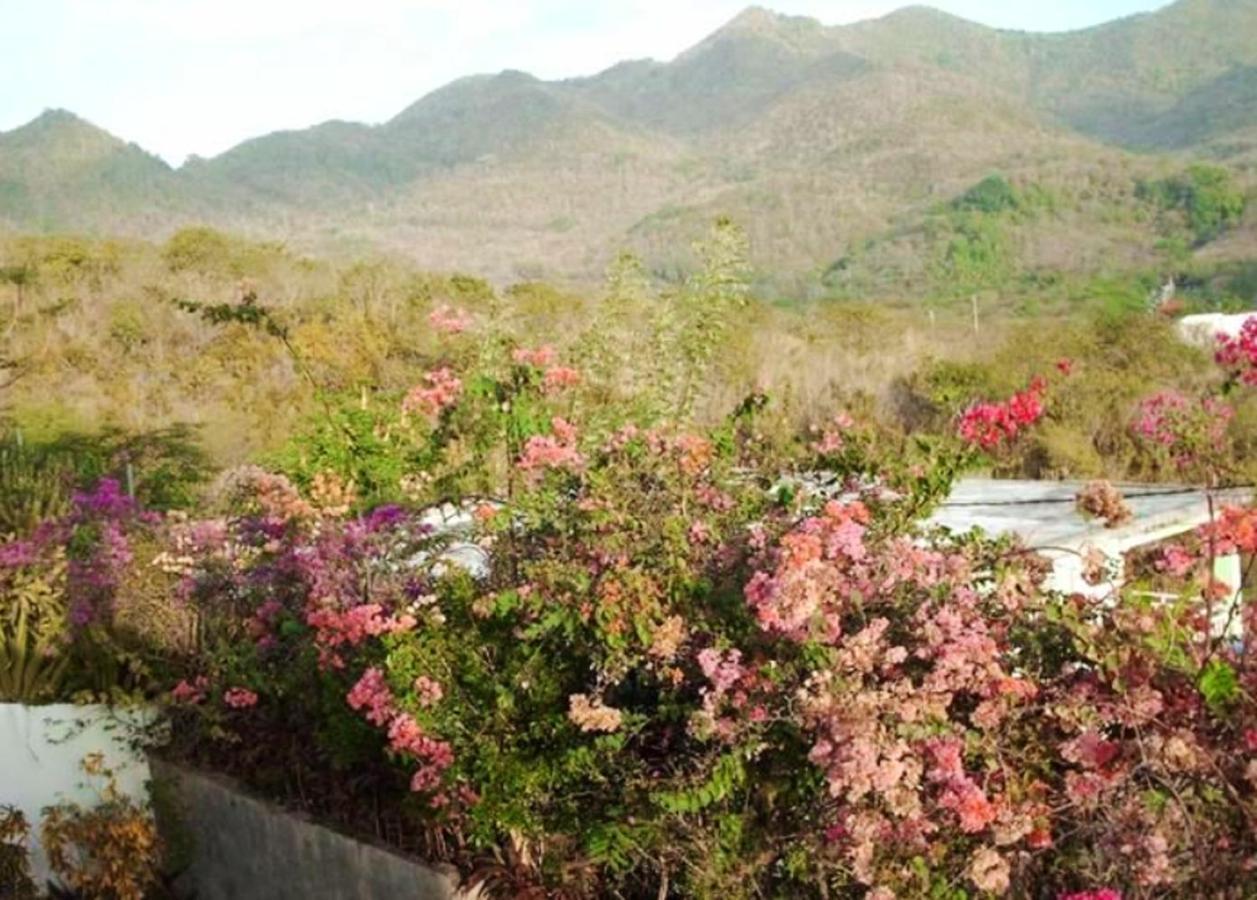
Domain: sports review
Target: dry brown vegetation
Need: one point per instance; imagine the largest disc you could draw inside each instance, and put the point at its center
(99, 340)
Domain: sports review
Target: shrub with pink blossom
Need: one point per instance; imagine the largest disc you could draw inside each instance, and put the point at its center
(61, 628)
(1238, 355)
(990, 425)
(1191, 432)
(677, 670)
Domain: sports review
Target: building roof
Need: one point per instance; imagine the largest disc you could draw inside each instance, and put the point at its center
(1044, 515)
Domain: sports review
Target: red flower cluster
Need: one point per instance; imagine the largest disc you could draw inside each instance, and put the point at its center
(1238, 355)
(988, 425)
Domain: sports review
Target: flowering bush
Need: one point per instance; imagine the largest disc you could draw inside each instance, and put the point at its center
(500, 621)
(1192, 433)
(988, 425)
(579, 652)
(60, 584)
(638, 663)
(1238, 355)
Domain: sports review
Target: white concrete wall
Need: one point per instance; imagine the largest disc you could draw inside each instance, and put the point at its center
(1067, 577)
(243, 848)
(1229, 570)
(41, 749)
(1203, 330)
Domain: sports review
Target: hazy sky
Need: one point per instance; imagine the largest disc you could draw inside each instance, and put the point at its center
(198, 76)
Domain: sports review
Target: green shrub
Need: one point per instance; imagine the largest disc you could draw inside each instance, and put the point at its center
(33, 627)
(164, 469)
(1206, 195)
(35, 484)
(991, 195)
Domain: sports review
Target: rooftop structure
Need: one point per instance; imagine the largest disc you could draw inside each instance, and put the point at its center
(1203, 330)
(1044, 515)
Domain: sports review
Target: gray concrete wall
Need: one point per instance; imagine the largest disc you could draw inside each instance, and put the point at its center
(242, 848)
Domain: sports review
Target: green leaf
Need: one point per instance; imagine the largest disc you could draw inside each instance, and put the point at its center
(1219, 685)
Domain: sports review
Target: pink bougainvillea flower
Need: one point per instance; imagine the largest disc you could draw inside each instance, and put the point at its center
(191, 693)
(336, 628)
(1234, 529)
(1090, 750)
(240, 698)
(990, 425)
(440, 390)
(556, 451)
(558, 378)
(1238, 355)
(447, 320)
(540, 358)
(830, 442)
(1176, 561)
(1185, 428)
(428, 690)
(372, 696)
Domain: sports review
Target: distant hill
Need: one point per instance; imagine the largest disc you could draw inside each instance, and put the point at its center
(836, 146)
(59, 171)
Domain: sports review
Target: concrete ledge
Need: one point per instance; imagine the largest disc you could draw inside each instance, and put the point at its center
(243, 848)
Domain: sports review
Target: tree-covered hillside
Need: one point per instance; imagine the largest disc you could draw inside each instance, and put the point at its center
(835, 142)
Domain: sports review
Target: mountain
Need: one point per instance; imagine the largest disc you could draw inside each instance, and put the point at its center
(1220, 116)
(832, 144)
(58, 170)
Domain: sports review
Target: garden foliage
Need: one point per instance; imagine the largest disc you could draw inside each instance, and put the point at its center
(530, 617)
(670, 670)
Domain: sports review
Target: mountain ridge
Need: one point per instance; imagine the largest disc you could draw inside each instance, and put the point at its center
(767, 115)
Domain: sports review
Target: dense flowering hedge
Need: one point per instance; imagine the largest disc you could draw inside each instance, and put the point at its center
(676, 667)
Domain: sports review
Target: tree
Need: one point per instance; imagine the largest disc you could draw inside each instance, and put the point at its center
(1205, 195)
(706, 304)
(992, 194)
(20, 276)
